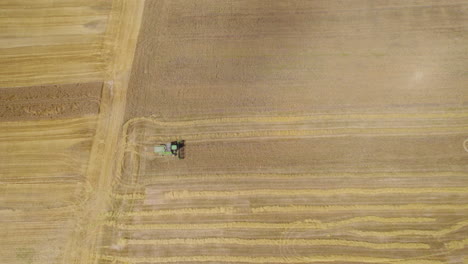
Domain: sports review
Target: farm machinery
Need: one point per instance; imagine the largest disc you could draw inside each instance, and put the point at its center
(174, 149)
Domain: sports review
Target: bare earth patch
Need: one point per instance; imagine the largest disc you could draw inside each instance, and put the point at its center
(50, 101)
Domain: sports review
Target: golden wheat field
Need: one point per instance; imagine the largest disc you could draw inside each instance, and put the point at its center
(316, 131)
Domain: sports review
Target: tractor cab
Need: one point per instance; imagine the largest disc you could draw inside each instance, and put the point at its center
(174, 148)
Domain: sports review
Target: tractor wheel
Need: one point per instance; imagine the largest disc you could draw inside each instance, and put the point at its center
(182, 152)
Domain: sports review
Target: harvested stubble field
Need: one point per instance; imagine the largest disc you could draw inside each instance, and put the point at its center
(316, 131)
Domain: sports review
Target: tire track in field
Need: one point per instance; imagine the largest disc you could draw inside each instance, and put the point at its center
(229, 210)
(202, 137)
(156, 178)
(330, 130)
(298, 118)
(437, 233)
(304, 224)
(274, 242)
(379, 207)
(185, 194)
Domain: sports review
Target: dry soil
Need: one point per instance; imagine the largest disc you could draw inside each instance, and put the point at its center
(50, 101)
(322, 131)
(316, 132)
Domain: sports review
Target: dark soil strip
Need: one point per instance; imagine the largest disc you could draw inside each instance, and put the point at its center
(50, 101)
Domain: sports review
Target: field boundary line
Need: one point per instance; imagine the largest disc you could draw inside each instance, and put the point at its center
(282, 259)
(119, 44)
(330, 208)
(410, 232)
(191, 211)
(329, 132)
(299, 118)
(162, 178)
(289, 209)
(307, 224)
(185, 194)
(275, 242)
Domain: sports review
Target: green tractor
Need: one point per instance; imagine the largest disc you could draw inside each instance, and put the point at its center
(174, 148)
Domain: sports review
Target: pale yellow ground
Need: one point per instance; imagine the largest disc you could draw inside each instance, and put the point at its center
(317, 131)
(56, 175)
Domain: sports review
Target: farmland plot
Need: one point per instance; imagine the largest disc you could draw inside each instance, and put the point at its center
(63, 69)
(316, 131)
(320, 131)
(46, 137)
(268, 192)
